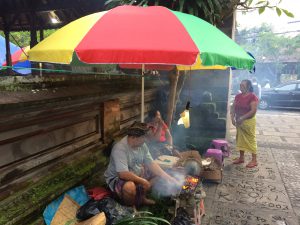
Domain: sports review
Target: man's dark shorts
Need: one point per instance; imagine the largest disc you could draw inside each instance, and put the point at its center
(119, 184)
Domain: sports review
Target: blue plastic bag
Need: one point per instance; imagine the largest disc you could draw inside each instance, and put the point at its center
(78, 194)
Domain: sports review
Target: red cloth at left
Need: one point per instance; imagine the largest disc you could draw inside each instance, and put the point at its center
(99, 193)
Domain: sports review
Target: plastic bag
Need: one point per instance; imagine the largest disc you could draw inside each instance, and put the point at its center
(88, 210)
(112, 209)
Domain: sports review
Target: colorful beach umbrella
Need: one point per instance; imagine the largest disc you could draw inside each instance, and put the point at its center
(19, 56)
(197, 66)
(12, 46)
(20, 61)
(141, 36)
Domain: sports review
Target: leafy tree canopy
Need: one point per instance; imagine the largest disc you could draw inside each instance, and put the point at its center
(213, 11)
(266, 45)
(22, 38)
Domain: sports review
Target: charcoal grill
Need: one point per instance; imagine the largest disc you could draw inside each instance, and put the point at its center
(191, 198)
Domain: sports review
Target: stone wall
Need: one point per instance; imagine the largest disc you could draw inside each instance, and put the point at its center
(53, 132)
(207, 91)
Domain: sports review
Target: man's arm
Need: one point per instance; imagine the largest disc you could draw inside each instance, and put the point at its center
(129, 176)
(157, 171)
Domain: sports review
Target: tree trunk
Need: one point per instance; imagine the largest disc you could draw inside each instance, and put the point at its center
(180, 84)
(172, 95)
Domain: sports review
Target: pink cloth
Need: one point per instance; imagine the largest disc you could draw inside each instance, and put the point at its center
(162, 137)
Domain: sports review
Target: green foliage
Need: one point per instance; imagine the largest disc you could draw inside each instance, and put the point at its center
(70, 222)
(214, 11)
(142, 218)
(261, 10)
(209, 10)
(289, 14)
(278, 10)
(22, 38)
(263, 5)
(265, 45)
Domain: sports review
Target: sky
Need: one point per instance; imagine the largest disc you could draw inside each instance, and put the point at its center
(280, 24)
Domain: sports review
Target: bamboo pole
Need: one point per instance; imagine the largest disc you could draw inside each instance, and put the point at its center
(143, 92)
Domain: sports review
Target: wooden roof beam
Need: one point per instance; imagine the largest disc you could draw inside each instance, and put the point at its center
(63, 5)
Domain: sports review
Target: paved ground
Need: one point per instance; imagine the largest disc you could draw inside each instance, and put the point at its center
(270, 193)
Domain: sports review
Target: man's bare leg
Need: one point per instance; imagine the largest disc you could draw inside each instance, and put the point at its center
(148, 201)
(129, 193)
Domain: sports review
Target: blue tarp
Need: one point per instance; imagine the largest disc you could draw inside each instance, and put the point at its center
(78, 194)
(13, 48)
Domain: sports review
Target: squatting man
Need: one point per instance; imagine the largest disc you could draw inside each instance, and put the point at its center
(131, 171)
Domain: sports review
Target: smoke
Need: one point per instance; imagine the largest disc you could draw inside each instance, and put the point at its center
(165, 188)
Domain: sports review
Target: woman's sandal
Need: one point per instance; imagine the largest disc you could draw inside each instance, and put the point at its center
(251, 164)
(238, 161)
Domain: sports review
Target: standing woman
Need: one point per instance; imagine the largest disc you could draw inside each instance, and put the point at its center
(243, 118)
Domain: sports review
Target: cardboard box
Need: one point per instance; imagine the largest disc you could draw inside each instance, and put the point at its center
(190, 154)
(66, 214)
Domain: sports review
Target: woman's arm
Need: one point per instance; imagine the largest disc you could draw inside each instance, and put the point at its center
(250, 114)
(169, 137)
(232, 113)
(155, 131)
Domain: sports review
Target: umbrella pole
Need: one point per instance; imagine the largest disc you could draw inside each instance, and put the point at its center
(143, 92)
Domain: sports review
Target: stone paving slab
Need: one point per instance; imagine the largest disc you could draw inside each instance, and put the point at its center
(286, 146)
(287, 162)
(292, 140)
(283, 130)
(228, 214)
(287, 134)
(268, 129)
(266, 171)
(262, 138)
(263, 155)
(268, 194)
(296, 125)
(274, 125)
(255, 194)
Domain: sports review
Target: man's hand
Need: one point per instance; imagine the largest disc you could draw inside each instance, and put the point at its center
(233, 122)
(233, 119)
(239, 121)
(146, 184)
(172, 181)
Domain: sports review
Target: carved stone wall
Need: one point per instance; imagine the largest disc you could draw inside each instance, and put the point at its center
(52, 136)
